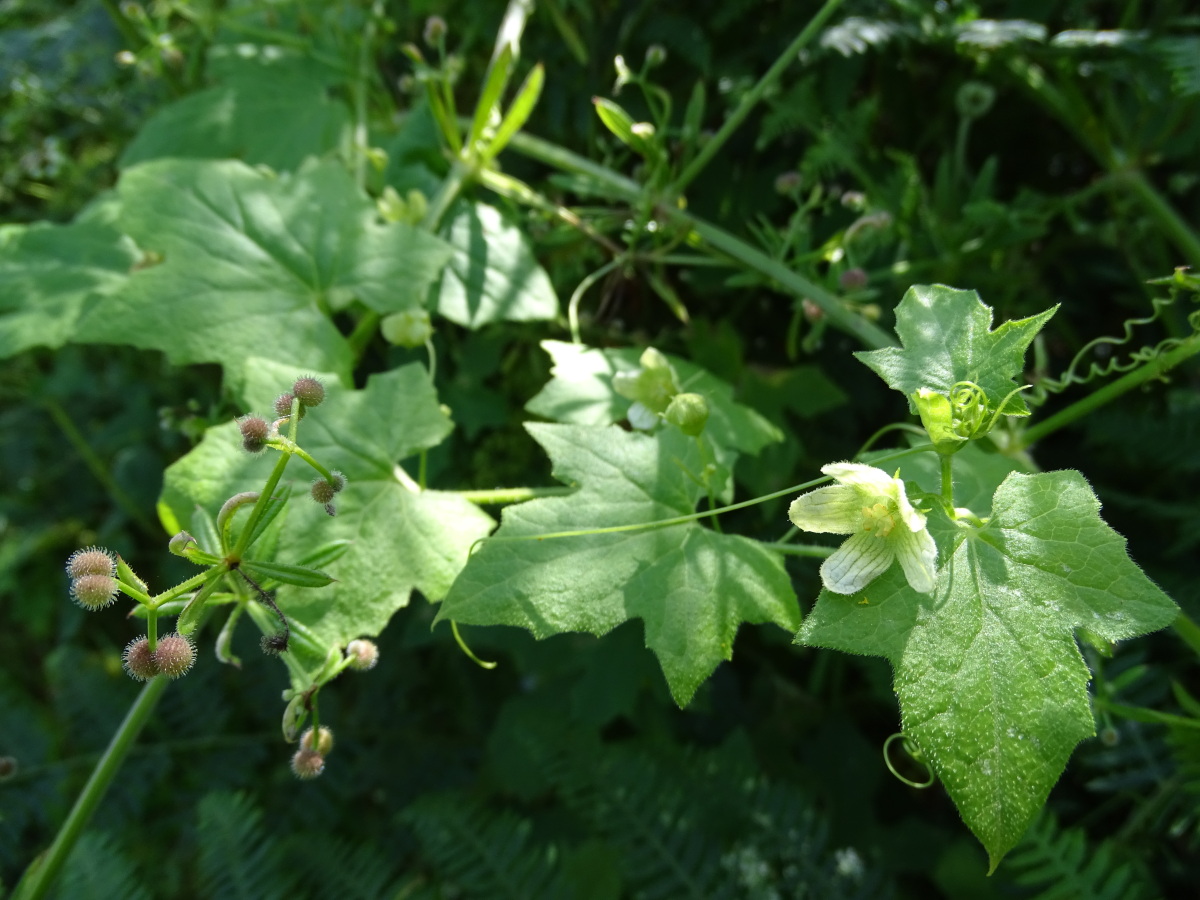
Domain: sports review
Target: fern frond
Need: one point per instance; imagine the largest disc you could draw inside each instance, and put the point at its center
(99, 870)
(1066, 866)
(238, 859)
(1182, 58)
(335, 867)
(485, 853)
(640, 809)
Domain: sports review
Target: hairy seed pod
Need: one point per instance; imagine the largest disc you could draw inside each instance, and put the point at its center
(175, 655)
(310, 391)
(322, 741)
(322, 491)
(254, 431)
(94, 591)
(91, 561)
(283, 405)
(307, 764)
(139, 661)
(363, 654)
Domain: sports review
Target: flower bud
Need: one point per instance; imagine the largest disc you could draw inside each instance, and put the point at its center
(853, 279)
(656, 55)
(174, 655)
(254, 431)
(435, 31)
(180, 543)
(363, 654)
(91, 561)
(410, 328)
(94, 591)
(688, 412)
(310, 391)
(787, 183)
(139, 661)
(974, 99)
(307, 764)
(322, 742)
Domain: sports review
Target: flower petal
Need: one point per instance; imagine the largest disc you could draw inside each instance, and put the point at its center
(836, 509)
(913, 519)
(856, 563)
(869, 478)
(918, 557)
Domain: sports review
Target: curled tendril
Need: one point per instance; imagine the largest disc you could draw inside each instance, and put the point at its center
(1047, 386)
(911, 749)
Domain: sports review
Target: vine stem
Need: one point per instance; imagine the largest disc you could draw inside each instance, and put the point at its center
(577, 296)
(504, 496)
(718, 239)
(692, 517)
(1139, 376)
(42, 872)
(753, 96)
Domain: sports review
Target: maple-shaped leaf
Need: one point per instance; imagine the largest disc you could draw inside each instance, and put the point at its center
(493, 275)
(992, 687)
(690, 586)
(254, 264)
(948, 339)
(47, 274)
(404, 538)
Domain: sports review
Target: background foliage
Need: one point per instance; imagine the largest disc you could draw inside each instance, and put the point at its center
(569, 770)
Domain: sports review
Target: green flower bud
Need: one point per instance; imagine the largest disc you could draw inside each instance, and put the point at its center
(410, 328)
(653, 385)
(974, 99)
(180, 543)
(689, 413)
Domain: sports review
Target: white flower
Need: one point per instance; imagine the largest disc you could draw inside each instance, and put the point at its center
(871, 507)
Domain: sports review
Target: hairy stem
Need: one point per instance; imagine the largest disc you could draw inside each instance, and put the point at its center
(41, 874)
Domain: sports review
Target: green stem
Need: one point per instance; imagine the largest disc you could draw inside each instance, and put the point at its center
(1188, 631)
(183, 587)
(1139, 376)
(630, 191)
(97, 468)
(361, 138)
(577, 296)
(261, 505)
(815, 551)
(504, 496)
(41, 874)
(1168, 220)
(947, 480)
(752, 97)
(448, 191)
(364, 330)
(683, 520)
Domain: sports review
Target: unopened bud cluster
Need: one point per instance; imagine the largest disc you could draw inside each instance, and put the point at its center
(656, 392)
